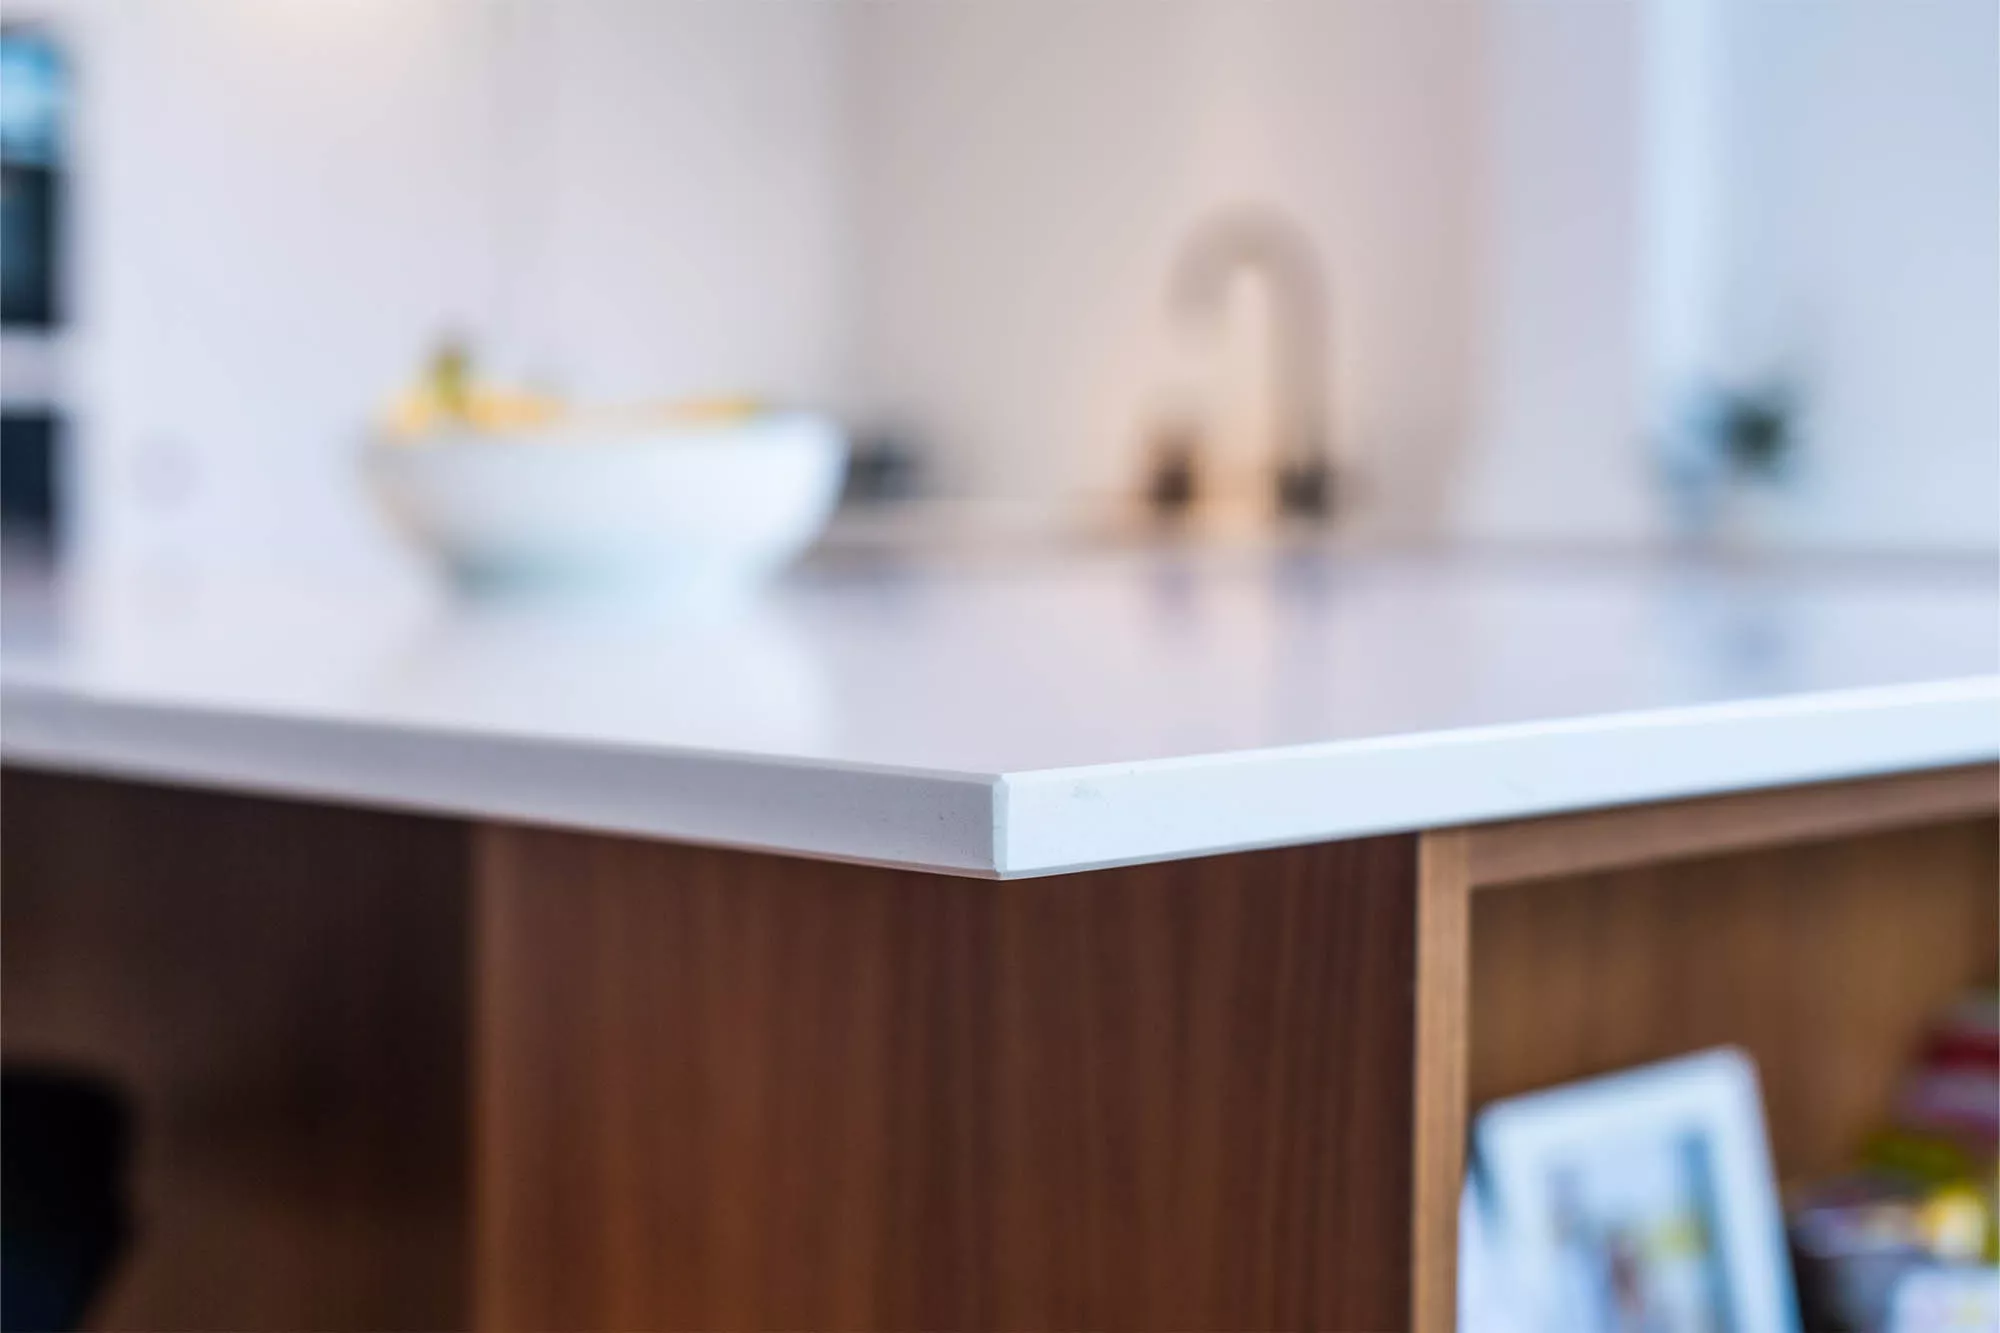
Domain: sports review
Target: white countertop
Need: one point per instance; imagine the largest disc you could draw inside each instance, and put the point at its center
(1031, 717)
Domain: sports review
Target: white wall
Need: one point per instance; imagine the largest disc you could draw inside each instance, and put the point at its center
(266, 200)
(1821, 203)
(283, 205)
(1557, 451)
(1865, 205)
(1026, 173)
(1543, 219)
(694, 191)
(960, 217)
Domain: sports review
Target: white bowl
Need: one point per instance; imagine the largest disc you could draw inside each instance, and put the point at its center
(668, 510)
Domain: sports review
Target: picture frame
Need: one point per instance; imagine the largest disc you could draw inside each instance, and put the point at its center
(1643, 1199)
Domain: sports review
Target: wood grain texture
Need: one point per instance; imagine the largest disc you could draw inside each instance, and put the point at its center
(720, 1090)
(1443, 963)
(1599, 840)
(1823, 960)
(283, 989)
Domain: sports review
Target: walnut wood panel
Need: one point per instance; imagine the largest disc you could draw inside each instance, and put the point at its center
(1599, 840)
(1824, 960)
(721, 1090)
(1443, 893)
(282, 988)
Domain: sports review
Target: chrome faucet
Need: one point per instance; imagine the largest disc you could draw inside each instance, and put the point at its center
(1262, 241)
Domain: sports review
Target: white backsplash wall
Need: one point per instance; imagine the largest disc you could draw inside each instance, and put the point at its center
(1027, 172)
(278, 206)
(1864, 190)
(959, 217)
(1556, 449)
(284, 205)
(696, 196)
(1509, 256)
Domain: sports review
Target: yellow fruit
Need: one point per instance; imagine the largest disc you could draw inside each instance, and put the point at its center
(712, 410)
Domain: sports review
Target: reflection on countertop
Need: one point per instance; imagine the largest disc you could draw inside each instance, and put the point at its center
(984, 662)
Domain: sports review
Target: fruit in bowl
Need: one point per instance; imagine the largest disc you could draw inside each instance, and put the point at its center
(511, 490)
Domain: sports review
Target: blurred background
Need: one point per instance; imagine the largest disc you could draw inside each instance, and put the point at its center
(1549, 272)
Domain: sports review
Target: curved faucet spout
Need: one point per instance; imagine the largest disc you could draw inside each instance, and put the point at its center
(1265, 242)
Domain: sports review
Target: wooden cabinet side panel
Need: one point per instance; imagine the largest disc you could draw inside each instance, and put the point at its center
(281, 989)
(1598, 841)
(1444, 889)
(716, 1089)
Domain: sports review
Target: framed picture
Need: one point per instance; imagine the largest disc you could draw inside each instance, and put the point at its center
(1642, 1202)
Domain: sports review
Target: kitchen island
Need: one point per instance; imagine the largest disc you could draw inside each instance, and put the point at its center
(497, 966)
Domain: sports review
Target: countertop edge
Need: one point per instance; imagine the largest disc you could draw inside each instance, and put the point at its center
(1065, 820)
(1019, 824)
(907, 818)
